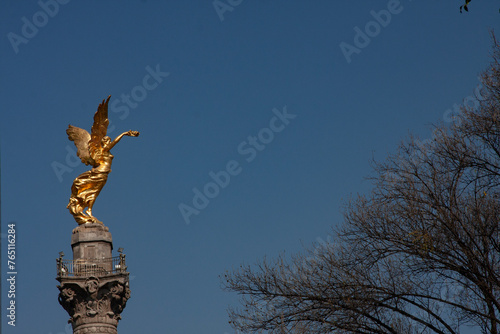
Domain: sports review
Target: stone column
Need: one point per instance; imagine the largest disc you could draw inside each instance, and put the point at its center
(94, 286)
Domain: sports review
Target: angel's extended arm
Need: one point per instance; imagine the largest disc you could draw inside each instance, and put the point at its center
(117, 139)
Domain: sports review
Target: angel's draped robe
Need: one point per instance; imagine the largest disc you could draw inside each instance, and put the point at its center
(87, 186)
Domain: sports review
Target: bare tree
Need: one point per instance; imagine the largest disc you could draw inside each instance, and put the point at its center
(419, 254)
(465, 6)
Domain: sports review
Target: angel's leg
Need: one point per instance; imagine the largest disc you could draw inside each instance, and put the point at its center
(89, 209)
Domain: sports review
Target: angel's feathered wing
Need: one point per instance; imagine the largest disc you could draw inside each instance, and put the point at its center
(100, 127)
(87, 145)
(81, 139)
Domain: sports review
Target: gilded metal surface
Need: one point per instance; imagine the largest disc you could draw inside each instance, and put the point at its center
(93, 149)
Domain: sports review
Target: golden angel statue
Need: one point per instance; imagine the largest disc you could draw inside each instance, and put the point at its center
(93, 149)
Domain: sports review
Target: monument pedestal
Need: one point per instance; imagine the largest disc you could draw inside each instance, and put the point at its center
(94, 285)
(91, 241)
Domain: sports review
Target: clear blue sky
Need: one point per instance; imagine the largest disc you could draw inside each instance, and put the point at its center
(226, 75)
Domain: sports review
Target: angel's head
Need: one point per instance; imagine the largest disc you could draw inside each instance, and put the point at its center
(105, 141)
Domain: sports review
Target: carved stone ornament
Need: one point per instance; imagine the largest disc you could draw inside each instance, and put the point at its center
(94, 302)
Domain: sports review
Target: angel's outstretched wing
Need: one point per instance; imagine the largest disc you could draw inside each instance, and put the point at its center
(99, 128)
(81, 139)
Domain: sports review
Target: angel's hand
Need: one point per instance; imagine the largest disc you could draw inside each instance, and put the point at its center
(133, 133)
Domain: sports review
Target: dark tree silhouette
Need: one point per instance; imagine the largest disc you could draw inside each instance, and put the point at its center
(465, 6)
(419, 254)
